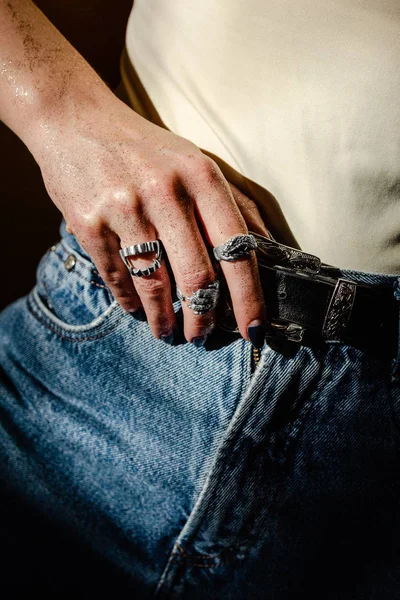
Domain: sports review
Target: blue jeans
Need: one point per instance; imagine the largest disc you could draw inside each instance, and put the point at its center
(195, 473)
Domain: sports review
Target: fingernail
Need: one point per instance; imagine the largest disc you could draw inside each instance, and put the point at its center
(256, 332)
(168, 338)
(139, 314)
(198, 342)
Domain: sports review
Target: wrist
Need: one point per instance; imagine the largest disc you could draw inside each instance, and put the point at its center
(66, 110)
(82, 119)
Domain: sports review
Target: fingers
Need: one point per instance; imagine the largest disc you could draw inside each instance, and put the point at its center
(249, 211)
(174, 209)
(152, 293)
(211, 190)
(189, 259)
(154, 290)
(102, 245)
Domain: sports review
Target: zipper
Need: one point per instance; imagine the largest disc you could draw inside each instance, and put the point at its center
(255, 358)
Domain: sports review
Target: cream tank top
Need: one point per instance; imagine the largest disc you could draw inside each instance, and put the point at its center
(297, 101)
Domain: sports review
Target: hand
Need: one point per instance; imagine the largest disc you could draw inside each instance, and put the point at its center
(119, 180)
(249, 211)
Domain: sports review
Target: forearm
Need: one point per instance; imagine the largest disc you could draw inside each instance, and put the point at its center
(44, 81)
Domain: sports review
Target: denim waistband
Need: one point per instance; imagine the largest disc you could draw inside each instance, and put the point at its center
(369, 278)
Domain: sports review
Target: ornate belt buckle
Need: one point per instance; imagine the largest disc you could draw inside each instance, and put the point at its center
(272, 253)
(339, 309)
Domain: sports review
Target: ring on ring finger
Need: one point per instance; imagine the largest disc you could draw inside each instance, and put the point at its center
(202, 300)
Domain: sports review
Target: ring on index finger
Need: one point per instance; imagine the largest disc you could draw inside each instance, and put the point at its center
(235, 247)
(203, 300)
(143, 248)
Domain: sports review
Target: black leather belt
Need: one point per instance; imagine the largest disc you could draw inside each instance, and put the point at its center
(309, 302)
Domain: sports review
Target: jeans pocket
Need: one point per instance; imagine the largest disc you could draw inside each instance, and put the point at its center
(69, 289)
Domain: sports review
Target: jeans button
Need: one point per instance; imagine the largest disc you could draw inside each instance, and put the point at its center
(70, 262)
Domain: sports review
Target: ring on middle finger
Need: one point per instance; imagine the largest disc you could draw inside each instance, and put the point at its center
(202, 300)
(143, 248)
(235, 247)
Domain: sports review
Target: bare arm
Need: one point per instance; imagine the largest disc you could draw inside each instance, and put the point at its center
(42, 77)
(120, 180)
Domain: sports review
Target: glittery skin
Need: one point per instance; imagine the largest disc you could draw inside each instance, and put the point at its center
(119, 179)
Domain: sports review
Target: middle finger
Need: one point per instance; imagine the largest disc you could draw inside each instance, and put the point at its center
(189, 259)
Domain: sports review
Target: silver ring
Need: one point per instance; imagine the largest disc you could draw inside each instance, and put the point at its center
(203, 300)
(236, 247)
(153, 246)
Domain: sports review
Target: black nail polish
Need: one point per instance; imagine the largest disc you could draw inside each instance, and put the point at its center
(168, 338)
(257, 335)
(198, 342)
(139, 314)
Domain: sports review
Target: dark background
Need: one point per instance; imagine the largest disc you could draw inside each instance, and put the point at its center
(37, 555)
(30, 221)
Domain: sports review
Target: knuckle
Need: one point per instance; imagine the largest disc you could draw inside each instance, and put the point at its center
(165, 191)
(188, 148)
(152, 289)
(127, 302)
(116, 280)
(190, 281)
(208, 170)
(157, 185)
(126, 204)
(90, 226)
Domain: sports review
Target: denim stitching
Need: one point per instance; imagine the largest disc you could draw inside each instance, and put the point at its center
(257, 508)
(219, 459)
(79, 258)
(82, 265)
(79, 274)
(44, 283)
(191, 558)
(63, 334)
(174, 556)
(296, 425)
(187, 560)
(243, 543)
(187, 555)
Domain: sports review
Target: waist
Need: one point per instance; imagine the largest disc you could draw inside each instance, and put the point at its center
(314, 303)
(332, 195)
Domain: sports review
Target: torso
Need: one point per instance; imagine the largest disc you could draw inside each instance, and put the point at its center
(300, 97)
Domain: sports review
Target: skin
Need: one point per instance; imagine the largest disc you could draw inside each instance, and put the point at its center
(118, 179)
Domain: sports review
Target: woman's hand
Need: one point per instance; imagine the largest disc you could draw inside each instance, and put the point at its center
(249, 211)
(120, 180)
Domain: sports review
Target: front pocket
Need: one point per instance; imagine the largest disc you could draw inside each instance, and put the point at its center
(69, 288)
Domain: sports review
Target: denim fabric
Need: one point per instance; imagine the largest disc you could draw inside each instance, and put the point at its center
(195, 475)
